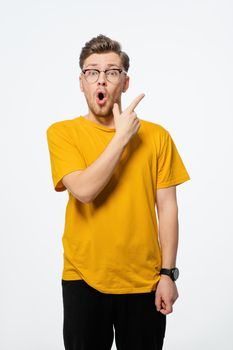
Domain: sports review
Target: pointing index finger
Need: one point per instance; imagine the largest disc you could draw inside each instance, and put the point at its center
(135, 102)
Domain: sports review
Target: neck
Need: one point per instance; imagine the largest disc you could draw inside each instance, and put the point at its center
(106, 120)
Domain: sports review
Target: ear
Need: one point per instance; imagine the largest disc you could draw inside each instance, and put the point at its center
(126, 84)
(81, 83)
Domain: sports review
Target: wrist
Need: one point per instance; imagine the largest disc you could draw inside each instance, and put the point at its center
(165, 277)
(172, 273)
(120, 139)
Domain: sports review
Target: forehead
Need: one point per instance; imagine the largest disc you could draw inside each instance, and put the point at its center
(107, 59)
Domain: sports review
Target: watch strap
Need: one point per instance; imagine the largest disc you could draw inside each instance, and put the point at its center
(172, 273)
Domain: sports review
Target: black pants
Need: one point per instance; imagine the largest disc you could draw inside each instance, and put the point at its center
(89, 318)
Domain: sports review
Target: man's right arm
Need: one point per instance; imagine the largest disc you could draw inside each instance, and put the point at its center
(85, 185)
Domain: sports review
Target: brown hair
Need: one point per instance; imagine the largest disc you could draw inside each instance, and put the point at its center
(103, 44)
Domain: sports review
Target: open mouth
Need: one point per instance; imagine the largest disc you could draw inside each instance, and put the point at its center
(101, 98)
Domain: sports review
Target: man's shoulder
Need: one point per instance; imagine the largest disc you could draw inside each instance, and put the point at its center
(61, 125)
(150, 126)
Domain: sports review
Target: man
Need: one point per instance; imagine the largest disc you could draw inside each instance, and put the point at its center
(119, 268)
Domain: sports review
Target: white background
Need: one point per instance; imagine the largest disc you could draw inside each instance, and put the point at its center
(181, 57)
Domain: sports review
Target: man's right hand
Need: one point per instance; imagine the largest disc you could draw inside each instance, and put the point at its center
(127, 122)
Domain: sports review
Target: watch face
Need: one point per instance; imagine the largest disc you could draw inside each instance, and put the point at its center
(175, 274)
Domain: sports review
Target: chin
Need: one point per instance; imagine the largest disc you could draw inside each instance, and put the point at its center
(102, 111)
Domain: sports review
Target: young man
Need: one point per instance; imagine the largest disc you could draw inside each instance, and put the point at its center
(119, 264)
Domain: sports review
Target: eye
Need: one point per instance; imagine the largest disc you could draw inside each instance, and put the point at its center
(92, 72)
(113, 72)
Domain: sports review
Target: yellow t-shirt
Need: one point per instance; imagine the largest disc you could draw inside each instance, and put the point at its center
(112, 242)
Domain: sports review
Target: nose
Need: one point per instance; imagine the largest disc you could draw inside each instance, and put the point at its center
(102, 79)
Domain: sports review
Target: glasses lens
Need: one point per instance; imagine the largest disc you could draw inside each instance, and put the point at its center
(113, 75)
(91, 75)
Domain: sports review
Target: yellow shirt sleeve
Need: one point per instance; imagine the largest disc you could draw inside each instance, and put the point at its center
(65, 157)
(171, 169)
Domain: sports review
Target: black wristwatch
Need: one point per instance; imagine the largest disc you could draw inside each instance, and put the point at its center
(172, 273)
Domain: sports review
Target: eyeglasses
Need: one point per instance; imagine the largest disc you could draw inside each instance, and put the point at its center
(112, 75)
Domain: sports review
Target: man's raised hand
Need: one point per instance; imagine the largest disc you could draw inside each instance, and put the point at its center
(127, 123)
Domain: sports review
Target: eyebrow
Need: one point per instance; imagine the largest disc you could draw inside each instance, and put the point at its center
(108, 65)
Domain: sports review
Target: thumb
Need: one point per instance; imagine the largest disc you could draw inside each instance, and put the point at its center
(115, 109)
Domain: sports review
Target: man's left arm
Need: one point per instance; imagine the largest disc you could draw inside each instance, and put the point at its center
(167, 210)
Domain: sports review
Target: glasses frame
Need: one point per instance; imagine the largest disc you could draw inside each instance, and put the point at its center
(99, 71)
